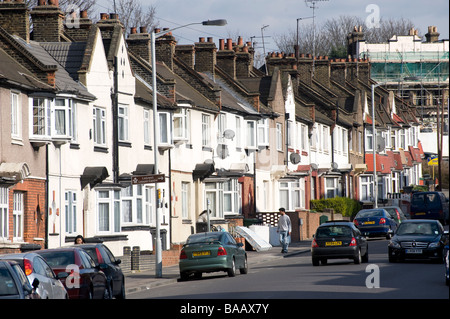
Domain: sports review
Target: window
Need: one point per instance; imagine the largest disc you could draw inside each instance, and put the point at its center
(263, 132)
(331, 187)
(18, 215)
(40, 118)
(251, 134)
(4, 224)
(185, 195)
(61, 117)
(279, 130)
(325, 136)
(369, 139)
(150, 213)
(70, 208)
(108, 211)
(132, 204)
(16, 129)
(123, 122)
(146, 127)
(99, 123)
(313, 141)
(292, 194)
(360, 142)
(366, 188)
(231, 197)
(181, 125)
(238, 132)
(402, 139)
(206, 131)
(214, 195)
(221, 127)
(165, 128)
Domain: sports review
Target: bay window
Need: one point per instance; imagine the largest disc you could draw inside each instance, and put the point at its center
(251, 134)
(292, 194)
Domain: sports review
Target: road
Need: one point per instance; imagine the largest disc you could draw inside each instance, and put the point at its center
(295, 278)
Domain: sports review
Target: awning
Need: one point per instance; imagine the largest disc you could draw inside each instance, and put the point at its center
(93, 176)
(360, 168)
(12, 173)
(202, 171)
(144, 169)
(278, 171)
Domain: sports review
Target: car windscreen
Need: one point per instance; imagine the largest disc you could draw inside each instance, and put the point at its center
(417, 229)
(370, 213)
(58, 258)
(333, 231)
(7, 284)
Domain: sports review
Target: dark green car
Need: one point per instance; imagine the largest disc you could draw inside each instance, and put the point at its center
(211, 252)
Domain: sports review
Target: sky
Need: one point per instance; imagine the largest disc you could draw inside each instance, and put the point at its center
(246, 17)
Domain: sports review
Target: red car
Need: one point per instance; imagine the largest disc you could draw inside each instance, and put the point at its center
(81, 277)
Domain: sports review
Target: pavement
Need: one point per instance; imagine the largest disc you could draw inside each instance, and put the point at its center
(137, 281)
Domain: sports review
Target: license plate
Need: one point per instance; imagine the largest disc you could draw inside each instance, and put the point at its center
(421, 213)
(333, 243)
(201, 253)
(369, 223)
(413, 251)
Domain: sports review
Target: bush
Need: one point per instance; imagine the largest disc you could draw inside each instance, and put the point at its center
(342, 205)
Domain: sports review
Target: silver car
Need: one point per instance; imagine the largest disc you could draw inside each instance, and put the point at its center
(34, 266)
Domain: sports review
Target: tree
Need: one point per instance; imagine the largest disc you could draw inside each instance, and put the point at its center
(331, 36)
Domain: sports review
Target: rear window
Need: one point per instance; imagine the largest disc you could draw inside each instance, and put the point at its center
(370, 213)
(7, 285)
(333, 231)
(431, 200)
(209, 238)
(58, 258)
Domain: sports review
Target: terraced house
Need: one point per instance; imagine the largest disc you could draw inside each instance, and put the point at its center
(77, 122)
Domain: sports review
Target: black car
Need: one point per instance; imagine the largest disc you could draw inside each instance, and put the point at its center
(417, 239)
(103, 257)
(336, 240)
(14, 283)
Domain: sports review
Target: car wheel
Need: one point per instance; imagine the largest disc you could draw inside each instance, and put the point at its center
(107, 292)
(244, 270)
(365, 258)
(121, 295)
(315, 261)
(357, 258)
(184, 276)
(232, 271)
(198, 275)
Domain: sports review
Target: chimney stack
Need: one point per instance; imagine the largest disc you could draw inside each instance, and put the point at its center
(14, 18)
(165, 49)
(432, 35)
(48, 21)
(226, 57)
(139, 43)
(79, 30)
(353, 38)
(205, 56)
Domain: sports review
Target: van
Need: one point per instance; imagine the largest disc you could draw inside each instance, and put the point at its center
(429, 205)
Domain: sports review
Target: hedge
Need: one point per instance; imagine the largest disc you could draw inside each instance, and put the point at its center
(346, 206)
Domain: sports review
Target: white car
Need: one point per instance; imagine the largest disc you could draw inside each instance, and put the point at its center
(34, 266)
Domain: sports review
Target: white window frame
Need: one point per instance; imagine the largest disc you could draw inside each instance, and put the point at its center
(232, 190)
(40, 118)
(113, 218)
(146, 123)
(250, 134)
(366, 188)
(149, 202)
(215, 190)
(4, 213)
(16, 116)
(70, 210)
(206, 130)
(99, 126)
(18, 215)
(122, 123)
(279, 132)
(369, 139)
(238, 132)
(181, 125)
(185, 199)
(263, 132)
(295, 191)
(165, 128)
(334, 188)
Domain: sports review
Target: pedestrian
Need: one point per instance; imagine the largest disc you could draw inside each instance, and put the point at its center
(284, 229)
(79, 240)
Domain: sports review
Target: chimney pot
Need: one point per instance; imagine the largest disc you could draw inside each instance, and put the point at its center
(240, 41)
(221, 44)
(210, 39)
(114, 16)
(201, 39)
(41, 2)
(104, 16)
(143, 30)
(84, 14)
(133, 30)
(229, 44)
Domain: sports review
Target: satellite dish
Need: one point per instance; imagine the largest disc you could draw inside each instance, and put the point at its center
(229, 134)
(381, 144)
(294, 158)
(222, 151)
(334, 165)
(208, 161)
(314, 166)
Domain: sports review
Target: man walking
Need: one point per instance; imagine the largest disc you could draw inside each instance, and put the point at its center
(284, 229)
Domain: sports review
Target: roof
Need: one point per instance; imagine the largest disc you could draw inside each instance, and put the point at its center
(68, 54)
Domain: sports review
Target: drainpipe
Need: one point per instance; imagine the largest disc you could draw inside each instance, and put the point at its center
(115, 106)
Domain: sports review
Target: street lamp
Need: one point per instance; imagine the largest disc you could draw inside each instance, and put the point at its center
(153, 36)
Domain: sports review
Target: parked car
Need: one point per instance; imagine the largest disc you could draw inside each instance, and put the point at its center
(34, 266)
(447, 280)
(338, 240)
(103, 257)
(13, 282)
(211, 252)
(375, 222)
(417, 239)
(429, 205)
(78, 272)
(396, 213)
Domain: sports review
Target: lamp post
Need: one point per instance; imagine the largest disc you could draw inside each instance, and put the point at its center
(374, 134)
(153, 36)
